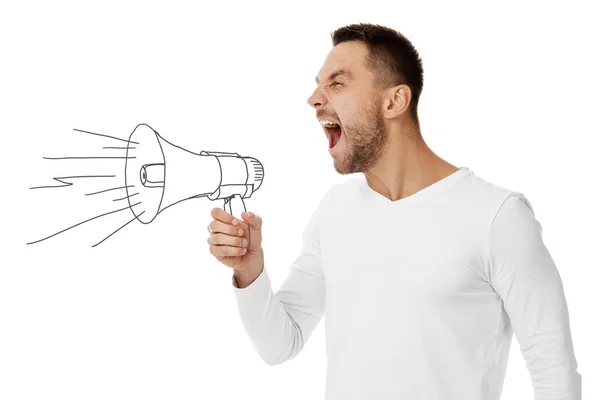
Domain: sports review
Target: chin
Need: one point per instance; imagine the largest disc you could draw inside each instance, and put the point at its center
(341, 167)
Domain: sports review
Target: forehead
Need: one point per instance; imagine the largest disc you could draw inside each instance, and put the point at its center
(345, 59)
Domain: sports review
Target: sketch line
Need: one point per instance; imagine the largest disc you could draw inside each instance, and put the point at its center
(130, 196)
(100, 134)
(102, 191)
(225, 181)
(60, 179)
(133, 219)
(83, 222)
(78, 158)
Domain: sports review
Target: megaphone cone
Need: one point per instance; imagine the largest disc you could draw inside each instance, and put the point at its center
(159, 174)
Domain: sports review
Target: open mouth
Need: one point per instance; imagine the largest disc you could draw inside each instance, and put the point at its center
(334, 132)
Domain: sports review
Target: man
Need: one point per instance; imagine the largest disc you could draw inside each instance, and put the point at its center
(423, 269)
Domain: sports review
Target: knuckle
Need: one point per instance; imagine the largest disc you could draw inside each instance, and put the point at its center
(218, 239)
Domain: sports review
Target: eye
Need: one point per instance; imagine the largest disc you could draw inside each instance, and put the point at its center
(336, 84)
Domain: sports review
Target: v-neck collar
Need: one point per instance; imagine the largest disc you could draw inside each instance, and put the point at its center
(431, 190)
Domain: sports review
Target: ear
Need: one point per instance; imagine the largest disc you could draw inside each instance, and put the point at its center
(397, 102)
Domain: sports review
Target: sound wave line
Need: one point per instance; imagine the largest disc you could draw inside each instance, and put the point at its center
(127, 197)
(60, 179)
(108, 136)
(134, 218)
(107, 190)
(79, 158)
(83, 222)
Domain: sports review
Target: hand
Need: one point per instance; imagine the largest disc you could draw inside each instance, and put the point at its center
(229, 241)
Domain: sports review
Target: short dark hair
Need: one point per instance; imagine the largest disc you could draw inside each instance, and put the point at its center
(392, 58)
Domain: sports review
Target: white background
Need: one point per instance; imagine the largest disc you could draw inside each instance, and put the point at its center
(510, 91)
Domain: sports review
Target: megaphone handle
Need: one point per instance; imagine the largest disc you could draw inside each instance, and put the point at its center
(231, 208)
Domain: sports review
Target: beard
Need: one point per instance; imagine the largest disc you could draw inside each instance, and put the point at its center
(365, 143)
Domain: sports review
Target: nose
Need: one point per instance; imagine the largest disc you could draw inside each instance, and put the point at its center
(317, 99)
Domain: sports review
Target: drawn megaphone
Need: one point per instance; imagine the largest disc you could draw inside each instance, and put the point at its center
(159, 174)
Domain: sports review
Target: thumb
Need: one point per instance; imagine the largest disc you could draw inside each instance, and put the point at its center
(254, 230)
(254, 221)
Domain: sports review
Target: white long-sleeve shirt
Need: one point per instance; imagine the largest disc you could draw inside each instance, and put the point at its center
(421, 296)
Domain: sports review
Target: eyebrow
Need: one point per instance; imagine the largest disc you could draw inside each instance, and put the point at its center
(336, 73)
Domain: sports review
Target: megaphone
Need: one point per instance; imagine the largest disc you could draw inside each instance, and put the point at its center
(159, 174)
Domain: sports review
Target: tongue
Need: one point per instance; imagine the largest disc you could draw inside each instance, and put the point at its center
(334, 136)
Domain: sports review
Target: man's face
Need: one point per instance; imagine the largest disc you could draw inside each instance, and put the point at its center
(350, 100)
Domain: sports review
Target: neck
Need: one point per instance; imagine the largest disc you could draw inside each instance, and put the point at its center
(406, 166)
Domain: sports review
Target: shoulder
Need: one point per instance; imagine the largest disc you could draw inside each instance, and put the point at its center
(345, 190)
(487, 213)
(514, 221)
(349, 188)
(491, 203)
(334, 199)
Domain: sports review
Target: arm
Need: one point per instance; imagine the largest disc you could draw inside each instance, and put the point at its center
(279, 324)
(524, 275)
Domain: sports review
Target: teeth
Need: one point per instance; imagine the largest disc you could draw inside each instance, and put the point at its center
(328, 124)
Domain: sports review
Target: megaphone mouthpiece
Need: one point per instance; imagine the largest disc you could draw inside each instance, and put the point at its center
(153, 175)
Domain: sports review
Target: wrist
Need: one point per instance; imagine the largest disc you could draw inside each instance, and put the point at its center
(246, 275)
(244, 279)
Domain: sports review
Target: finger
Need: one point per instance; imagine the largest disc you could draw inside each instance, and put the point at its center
(255, 221)
(224, 216)
(222, 239)
(219, 251)
(217, 226)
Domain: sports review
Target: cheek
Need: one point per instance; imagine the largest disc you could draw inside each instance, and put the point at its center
(346, 105)
(349, 115)
(347, 108)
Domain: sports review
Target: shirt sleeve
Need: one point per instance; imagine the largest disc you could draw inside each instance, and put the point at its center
(280, 323)
(525, 276)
